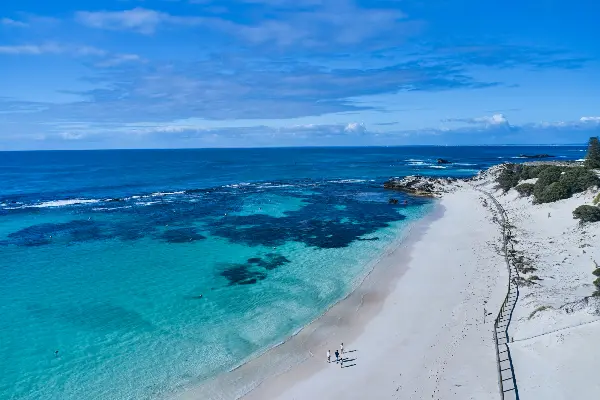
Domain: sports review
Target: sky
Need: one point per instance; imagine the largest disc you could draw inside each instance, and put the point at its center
(254, 73)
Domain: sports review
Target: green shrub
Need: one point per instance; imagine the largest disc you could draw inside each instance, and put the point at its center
(579, 179)
(553, 192)
(587, 213)
(596, 199)
(533, 171)
(592, 159)
(597, 282)
(525, 189)
(557, 183)
(596, 272)
(509, 176)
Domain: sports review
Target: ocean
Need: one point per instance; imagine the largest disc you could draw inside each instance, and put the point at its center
(133, 274)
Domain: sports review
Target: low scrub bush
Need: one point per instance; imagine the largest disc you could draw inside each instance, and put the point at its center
(509, 176)
(587, 213)
(525, 189)
(533, 171)
(579, 179)
(538, 310)
(551, 193)
(557, 183)
(553, 182)
(596, 199)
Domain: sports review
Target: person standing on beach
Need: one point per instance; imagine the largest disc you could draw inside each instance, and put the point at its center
(342, 348)
(328, 356)
(337, 356)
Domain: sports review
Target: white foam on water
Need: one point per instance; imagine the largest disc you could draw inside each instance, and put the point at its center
(269, 185)
(146, 203)
(437, 166)
(347, 181)
(166, 193)
(61, 203)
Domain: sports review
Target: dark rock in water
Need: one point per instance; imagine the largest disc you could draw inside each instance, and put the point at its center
(393, 201)
(369, 239)
(114, 200)
(536, 156)
(443, 161)
(419, 185)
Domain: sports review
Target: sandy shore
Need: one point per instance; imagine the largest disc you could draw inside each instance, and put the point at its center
(416, 328)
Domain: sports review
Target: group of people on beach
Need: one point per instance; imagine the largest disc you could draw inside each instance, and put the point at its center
(338, 355)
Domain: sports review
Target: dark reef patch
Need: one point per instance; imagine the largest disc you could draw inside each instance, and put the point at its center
(317, 224)
(242, 274)
(254, 269)
(271, 261)
(332, 215)
(71, 232)
(181, 235)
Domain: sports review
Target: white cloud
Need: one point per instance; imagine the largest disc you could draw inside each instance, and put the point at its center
(590, 119)
(119, 59)
(33, 49)
(13, 23)
(355, 127)
(496, 119)
(489, 121)
(139, 20)
(107, 59)
(72, 135)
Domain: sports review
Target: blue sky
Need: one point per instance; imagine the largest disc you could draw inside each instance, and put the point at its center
(245, 73)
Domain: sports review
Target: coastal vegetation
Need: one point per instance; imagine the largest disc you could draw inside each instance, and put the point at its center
(554, 182)
(525, 189)
(539, 309)
(592, 159)
(585, 213)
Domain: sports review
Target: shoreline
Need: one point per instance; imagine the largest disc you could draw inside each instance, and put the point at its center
(296, 367)
(345, 307)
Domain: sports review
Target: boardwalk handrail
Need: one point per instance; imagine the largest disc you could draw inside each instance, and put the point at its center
(504, 316)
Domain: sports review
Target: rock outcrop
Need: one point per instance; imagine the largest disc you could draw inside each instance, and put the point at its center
(421, 185)
(535, 156)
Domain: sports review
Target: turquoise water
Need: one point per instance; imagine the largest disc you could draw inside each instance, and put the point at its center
(105, 256)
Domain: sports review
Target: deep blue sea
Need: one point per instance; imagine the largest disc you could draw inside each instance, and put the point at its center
(151, 270)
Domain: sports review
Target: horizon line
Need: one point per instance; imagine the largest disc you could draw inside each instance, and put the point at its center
(304, 147)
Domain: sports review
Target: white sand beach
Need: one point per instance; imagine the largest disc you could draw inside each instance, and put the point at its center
(416, 328)
(429, 338)
(420, 325)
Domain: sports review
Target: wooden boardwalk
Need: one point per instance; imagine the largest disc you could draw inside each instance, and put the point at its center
(507, 382)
